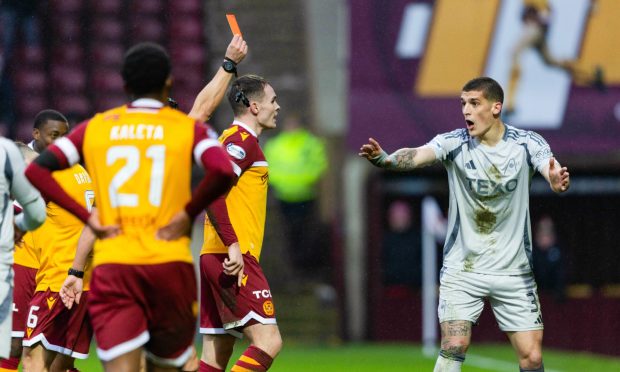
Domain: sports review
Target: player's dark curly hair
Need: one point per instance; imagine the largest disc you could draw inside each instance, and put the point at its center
(45, 115)
(146, 67)
(489, 88)
(245, 89)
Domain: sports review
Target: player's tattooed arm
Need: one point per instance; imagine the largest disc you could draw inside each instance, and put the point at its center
(405, 159)
(408, 159)
(400, 160)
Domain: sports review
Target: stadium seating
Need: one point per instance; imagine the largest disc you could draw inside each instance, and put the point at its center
(107, 28)
(108, 54)
(110, 7)
(186, 28)
(30, 80)
(70, 54)
(186, 7)
(31, 105)
(146, 28)
(105, 102)
(66, 6)
(106, 80)
(152, 7)
(31, 55)
(73, 105)
(76, 69)
(66, 29)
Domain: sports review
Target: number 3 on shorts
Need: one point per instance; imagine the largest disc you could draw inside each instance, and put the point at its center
(534, 301)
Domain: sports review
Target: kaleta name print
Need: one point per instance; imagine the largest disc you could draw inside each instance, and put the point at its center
(139, 132)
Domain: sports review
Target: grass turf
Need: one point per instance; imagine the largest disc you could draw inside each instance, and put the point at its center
(406, 357)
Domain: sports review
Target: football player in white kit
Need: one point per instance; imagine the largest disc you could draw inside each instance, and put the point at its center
(488, 248)
(13, 185)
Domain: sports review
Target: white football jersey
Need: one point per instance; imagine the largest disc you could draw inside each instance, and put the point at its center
(489, 221)
(13, 184)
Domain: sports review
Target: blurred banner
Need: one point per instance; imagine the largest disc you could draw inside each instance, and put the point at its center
(557, 60)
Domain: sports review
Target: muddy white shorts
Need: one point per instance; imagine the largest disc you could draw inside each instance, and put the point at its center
(513, 298)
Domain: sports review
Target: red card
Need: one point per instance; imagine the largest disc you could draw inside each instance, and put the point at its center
(232, 22)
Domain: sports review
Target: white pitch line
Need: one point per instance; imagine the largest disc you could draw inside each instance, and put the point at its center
(494, 364)
(491, 364)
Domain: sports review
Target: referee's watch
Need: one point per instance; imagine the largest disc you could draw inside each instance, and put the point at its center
(76, 273)
(229, 66)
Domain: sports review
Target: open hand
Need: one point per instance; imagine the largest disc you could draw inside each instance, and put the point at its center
(71, 291)
(370, 150)
(559, 178)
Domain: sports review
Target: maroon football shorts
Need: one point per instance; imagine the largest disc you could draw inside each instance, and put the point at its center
(227, 308)
(23, 291)
(57, 328)
(150, 306)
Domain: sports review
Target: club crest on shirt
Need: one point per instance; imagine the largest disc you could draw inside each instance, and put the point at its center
(235, 151)
(511, 167)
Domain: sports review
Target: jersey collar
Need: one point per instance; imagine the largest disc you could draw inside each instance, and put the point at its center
(245, 126)
(146, 103)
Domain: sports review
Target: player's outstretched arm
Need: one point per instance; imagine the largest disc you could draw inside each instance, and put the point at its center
(405, 159)
(211, 95)
(557, 176)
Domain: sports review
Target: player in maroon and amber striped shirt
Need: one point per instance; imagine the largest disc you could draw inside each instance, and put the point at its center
(235, 296)
(143, 288)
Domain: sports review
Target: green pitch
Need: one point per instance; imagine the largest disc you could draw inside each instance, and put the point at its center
(405, 357)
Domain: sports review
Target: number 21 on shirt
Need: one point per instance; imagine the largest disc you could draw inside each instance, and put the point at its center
(131, 156)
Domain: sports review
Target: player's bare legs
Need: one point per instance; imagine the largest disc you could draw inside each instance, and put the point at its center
(57, 362)
(217, 349)
(528, 346)
(265, 345)
(33, 358)
(15, 354)
(192, 363)
(133, 361)
(266, 337)
(16, 347)
(455, 340)
(128, 362)
(150, 367)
